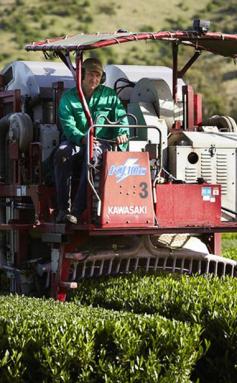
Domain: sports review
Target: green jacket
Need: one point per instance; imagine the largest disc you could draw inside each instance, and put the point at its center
(103, 101)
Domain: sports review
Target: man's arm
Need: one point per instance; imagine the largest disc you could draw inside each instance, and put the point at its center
(121, 134)
(69, 123)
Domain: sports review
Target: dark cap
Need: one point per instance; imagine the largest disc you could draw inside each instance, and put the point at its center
(93, 65)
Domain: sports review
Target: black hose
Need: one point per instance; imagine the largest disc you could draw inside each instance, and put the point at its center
(128, 84)
(229, 210)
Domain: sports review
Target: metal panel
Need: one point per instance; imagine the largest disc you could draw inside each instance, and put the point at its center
(218, 167)
(127, 193)
(201, 204)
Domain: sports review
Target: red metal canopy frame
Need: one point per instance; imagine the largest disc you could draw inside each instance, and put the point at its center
(215, 42)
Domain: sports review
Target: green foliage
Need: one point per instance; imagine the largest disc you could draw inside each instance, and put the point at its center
(4, 56)
(19, 3)
(35, 25)
(146, 28)
(44, 341)
(210, 7)
(229, 245)
(177, 23)
(208, 301)
(108, 9)
(183, 6)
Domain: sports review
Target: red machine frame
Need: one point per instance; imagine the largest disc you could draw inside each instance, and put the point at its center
(157, 221)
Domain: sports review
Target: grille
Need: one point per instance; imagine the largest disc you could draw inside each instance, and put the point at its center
(206, 167)
(221, 171)
(190, 174)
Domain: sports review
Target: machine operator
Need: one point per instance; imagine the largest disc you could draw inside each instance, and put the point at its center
(102, 101)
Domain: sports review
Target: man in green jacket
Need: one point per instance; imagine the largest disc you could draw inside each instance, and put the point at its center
(102, 101)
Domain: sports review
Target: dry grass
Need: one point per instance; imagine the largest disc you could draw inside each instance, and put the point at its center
(109, 16)
(106, 17)
(133, 15)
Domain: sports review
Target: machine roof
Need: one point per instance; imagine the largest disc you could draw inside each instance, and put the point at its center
(215, 42)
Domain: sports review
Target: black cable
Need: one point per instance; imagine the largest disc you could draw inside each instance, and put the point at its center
(129, 84)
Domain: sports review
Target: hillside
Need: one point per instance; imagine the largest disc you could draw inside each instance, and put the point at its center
(45, 19)
(42, 20)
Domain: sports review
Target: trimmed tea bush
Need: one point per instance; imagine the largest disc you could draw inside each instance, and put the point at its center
(46, 341)
(208, 301)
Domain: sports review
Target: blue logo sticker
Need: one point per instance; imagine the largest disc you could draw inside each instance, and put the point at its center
(129, 168)
(206, 191)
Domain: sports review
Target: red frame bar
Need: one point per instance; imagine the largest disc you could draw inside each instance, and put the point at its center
(193, 38)
(10, 97)
(62, 228)
(197, 109)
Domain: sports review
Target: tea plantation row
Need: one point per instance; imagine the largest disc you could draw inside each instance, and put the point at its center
(45, 341)
(210, 302)
(136, 328)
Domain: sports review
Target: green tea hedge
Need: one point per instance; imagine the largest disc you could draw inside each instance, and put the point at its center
(46, 341)
(208, 301)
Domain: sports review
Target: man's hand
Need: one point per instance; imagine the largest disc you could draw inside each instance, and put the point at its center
(122, 139)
